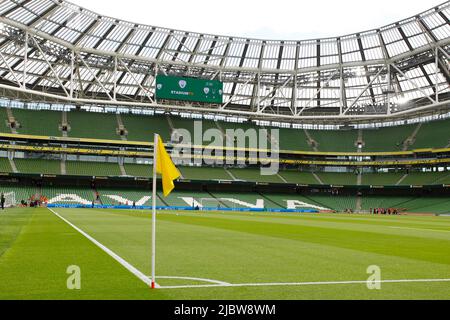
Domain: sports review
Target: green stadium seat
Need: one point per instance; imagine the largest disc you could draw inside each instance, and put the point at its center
(254, 175)
(204, 173)
(381, 179)
(338, 178)
(95, 125)
(298, 177)
(5, 166)
(386, 139)
(335, 140)
(139, 170)
(143, 128)
(434, 134)
(38, 166)
(98, 169)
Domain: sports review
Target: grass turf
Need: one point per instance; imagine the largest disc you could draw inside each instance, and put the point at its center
(37, 247)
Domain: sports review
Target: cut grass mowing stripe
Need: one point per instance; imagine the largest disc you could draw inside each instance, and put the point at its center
(116, 257)
(280, 284)
(421, 229)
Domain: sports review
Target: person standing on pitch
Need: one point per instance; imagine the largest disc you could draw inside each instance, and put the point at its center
(2, 201)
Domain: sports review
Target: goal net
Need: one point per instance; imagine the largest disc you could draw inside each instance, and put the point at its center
(10, 199)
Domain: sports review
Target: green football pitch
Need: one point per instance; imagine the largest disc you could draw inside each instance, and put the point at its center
(221, 255)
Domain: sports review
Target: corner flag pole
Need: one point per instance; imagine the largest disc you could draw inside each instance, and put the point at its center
(155, 159)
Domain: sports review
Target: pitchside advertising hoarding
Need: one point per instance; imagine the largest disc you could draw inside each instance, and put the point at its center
(189, 89)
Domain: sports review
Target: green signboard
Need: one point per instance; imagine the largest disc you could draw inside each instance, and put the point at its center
(189, 89)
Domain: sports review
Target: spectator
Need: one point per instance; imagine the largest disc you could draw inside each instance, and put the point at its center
(2, 201)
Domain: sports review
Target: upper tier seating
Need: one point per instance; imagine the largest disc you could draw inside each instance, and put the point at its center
(335, 140)
(143, 128)
(85, 124)
(293, 139)
(434, 134)
(92, 125)
(386, 139)
(4, 121)
(40, 123)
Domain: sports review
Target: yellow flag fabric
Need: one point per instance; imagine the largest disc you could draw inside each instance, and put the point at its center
(166, 168)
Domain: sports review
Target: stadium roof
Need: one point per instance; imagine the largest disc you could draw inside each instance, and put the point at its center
(59, 51)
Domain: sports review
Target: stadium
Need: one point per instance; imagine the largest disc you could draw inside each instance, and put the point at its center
(303, 164)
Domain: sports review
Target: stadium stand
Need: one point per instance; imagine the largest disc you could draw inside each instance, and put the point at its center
(434, 134)
(204, 173)
(335, 202)
(143, 128)
(294, 176)
(21, 193)
(254, 175)
(38, 166)
(126, 197)
(5, 166)
(189, 124)
(68, 195)
(4, 127)
(337, 178)
(421, 178)
(387, 139)
(244, 126)
(247, 200)
(92, 124)
(343, 140)
(381, 179)
(31, 122)
(175, 199)
(425, 205)
(371, 202)
(138, 170)
(301, 202)
(98, 169)
(293, 139)
(317, 202)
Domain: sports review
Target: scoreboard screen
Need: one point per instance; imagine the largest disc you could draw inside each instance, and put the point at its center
(189, 89)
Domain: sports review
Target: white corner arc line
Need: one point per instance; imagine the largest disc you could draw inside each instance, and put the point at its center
(215, 282)
(279, 284)
(115, 256)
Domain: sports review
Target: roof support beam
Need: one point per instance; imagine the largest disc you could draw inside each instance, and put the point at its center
(362, 92)
(363, 57)
(422, 69)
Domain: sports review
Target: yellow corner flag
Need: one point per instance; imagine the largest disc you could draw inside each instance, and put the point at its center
(166, 168)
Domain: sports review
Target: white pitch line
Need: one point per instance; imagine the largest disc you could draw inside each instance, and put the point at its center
(216, 282)
(115, 256)
(302, 283)
(421, 229)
